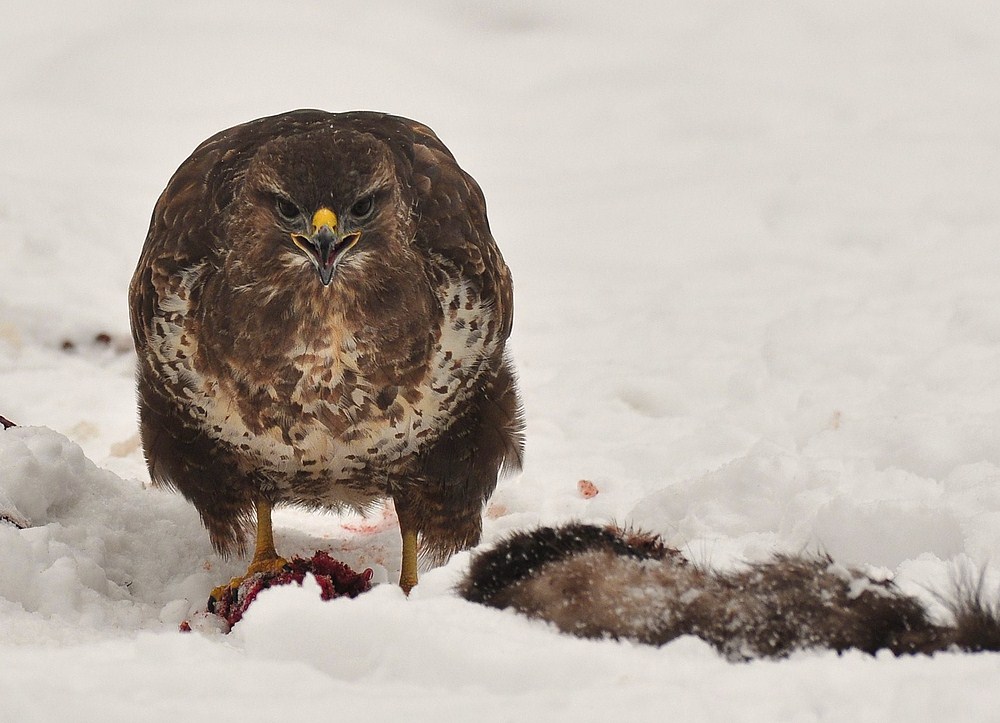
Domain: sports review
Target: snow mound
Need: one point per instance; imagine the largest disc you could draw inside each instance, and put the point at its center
(97, 551)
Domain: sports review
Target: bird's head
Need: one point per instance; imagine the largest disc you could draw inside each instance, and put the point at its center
(322, 201)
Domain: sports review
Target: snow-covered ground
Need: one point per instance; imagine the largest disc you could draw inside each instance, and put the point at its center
(756, 250)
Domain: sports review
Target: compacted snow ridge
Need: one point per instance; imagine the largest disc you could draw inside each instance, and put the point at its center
(756, 253)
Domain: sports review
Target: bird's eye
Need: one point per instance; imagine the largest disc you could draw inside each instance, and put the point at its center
(363, 208)
(286, 209)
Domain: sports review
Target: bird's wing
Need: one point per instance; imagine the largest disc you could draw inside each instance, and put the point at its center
(450, 210)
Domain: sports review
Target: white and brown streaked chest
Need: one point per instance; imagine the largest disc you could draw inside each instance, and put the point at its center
(347, 402)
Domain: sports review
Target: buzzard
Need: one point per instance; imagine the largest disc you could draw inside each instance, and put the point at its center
(320, 314)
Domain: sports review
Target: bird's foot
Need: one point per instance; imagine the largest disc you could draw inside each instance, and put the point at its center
(407, 583)
(265, 565)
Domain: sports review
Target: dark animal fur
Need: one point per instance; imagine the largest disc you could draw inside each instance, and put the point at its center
(604, 582)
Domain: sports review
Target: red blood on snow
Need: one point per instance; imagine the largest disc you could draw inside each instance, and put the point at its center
(334, 577)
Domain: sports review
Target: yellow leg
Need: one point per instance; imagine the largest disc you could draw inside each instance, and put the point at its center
(265, 557)
(408, 571)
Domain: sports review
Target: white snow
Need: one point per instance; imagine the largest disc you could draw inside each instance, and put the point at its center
(755, 249)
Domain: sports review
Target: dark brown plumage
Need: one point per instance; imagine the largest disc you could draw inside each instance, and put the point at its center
(603, 582)
(320, 314)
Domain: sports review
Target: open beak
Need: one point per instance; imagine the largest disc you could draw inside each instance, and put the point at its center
(327, 244)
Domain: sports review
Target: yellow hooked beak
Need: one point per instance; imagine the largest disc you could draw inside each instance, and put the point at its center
(327, 244)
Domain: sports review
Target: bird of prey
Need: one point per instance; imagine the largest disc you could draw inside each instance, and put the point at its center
(320, 314)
